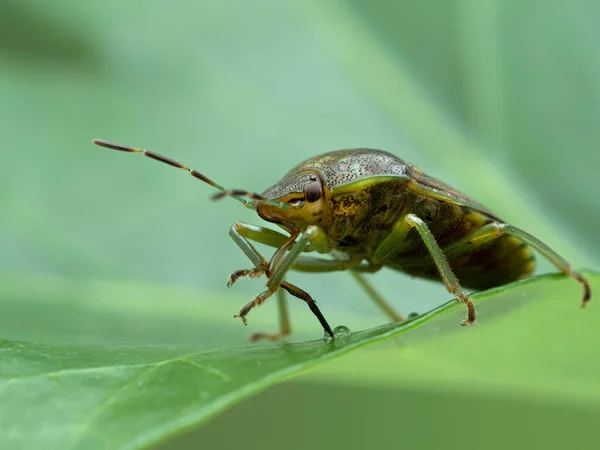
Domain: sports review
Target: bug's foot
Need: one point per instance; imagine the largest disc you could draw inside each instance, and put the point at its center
(252, 273)
(239, 316)
(587, 291)
(269, 336)
(466, 300)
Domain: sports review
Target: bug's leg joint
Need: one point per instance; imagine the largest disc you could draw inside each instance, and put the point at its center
(317, 240)
(252, 273)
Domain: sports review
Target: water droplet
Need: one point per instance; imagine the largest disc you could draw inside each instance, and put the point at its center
(342, 332)
(326, 336)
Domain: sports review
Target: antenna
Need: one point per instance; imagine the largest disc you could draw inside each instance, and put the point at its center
(234, 193)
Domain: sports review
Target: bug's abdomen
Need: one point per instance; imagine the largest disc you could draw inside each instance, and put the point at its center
(503, 261)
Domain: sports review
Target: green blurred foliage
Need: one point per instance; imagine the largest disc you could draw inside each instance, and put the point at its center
(327, 415)
(499, 98)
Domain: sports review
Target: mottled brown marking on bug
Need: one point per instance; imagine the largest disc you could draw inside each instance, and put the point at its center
(369, 191)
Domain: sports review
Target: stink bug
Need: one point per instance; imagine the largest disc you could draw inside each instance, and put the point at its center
(369, 209)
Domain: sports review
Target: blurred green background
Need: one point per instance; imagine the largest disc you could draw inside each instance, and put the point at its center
(499, 98)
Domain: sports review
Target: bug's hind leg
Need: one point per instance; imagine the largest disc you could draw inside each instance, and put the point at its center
(558, 261)
(442, 265)
(494, 230)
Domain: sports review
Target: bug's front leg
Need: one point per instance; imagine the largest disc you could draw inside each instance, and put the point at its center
(242, 233)
(283, 260)
(284, 321)
(289, 248)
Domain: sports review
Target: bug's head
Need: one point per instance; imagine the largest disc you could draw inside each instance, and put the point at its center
(306, 196)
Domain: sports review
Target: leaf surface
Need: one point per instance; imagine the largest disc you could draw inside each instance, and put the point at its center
(126, 397)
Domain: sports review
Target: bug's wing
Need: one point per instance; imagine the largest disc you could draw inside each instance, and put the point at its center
(423, 184)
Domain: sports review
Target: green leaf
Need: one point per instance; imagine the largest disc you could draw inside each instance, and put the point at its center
(69, 396)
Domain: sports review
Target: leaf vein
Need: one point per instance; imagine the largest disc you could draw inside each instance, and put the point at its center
(208, 369)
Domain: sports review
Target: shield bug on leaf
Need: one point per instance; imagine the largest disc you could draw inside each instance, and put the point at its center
(368, 209)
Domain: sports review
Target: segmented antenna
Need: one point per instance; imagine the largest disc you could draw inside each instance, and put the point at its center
(234, 193)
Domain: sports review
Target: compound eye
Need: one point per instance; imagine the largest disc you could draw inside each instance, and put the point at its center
(313, 191)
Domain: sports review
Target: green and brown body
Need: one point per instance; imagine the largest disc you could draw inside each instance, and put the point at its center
(501, 261)
(368, 191)
(369, 209)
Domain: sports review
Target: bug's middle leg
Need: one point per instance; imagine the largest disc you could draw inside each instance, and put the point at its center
(319, 265)
(377, 297)
(396, 238)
